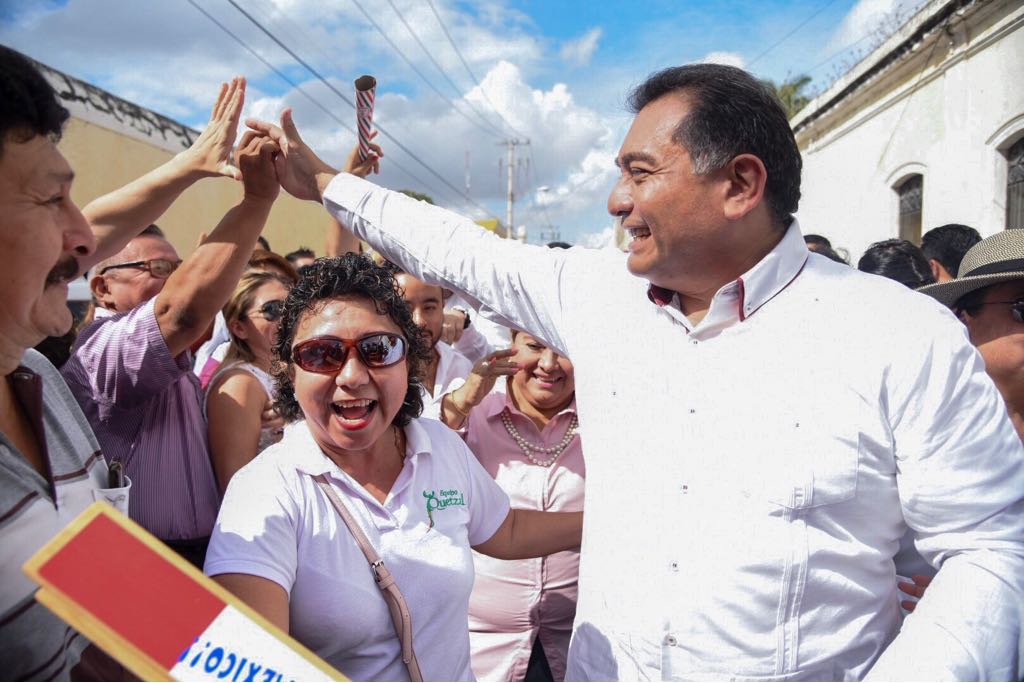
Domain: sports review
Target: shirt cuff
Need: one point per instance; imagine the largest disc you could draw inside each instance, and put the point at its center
(347, 190)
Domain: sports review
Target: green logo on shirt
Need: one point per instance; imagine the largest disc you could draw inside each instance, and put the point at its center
(448, 498)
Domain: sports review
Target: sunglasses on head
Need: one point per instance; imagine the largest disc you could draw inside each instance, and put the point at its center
(271, 311)
(1017, 307)
(328, 355)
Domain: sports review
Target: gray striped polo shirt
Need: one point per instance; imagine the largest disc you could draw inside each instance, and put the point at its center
(34, 643)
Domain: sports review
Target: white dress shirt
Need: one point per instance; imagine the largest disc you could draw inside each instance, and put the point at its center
(483, 336)
(452, 370)
(749, 478)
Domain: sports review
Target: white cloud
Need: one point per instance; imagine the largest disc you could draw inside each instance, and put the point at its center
(727, 58)
(599, 240)
(170, 58)
(867, 18)
(578, 52)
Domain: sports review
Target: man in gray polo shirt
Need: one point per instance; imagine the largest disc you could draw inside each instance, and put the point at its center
(50, 461)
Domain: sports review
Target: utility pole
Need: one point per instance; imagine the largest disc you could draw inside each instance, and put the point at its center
(511, 145)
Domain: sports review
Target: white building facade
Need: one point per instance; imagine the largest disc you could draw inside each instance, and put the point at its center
(926, 130)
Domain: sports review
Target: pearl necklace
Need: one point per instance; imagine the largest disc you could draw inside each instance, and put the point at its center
(529, 449)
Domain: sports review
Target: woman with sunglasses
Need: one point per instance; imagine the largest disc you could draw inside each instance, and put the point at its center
(350, 361)
(238, 392)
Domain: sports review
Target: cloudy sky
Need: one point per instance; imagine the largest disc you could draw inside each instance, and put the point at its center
(553, 73)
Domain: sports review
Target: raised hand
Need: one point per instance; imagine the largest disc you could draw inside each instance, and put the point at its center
(255, 156)
(453, 326)
(299, 170)
(362, 167)
(210, 154)
(484, 375)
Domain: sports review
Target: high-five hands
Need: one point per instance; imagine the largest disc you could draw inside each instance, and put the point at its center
(256, 160)
(300, 171)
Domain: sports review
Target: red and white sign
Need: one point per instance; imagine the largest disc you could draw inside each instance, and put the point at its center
(158, 615)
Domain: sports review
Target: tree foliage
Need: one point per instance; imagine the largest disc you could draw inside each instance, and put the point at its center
(418, 195)
(791, 92)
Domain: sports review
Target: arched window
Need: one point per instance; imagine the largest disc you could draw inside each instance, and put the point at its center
(1015, 185)
(911, 193)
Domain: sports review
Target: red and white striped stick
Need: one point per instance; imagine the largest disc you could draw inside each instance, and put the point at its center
(366, 87)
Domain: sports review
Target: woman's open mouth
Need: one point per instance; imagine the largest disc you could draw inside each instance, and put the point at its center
(355, 413)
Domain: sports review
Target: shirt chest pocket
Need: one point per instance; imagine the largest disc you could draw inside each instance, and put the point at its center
(808, 460)
(816, 468)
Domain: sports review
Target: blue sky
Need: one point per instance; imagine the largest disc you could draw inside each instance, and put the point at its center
(556, 72)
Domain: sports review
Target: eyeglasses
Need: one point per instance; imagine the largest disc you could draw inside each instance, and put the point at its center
(271, 311)
(157, 267)
(1017, 307)
(327, 355)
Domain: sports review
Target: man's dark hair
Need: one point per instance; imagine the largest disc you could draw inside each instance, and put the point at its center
(29, 105)
(897, 260)
(153, 230)
(301, 252)
(817, 239)
(830, 253)
(731, 113)
(264, 244)
(558, 244)
(948, 244)
(351, 275)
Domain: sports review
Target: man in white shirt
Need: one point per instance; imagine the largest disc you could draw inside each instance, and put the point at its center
(448, 369)
(743, 506)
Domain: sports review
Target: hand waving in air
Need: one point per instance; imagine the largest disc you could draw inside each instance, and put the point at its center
(210, 154)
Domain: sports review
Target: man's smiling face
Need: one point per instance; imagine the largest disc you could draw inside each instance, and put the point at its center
(669, 211)
(43, 234)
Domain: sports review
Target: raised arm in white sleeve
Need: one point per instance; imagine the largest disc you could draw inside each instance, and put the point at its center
(522, 284)
(960, 473)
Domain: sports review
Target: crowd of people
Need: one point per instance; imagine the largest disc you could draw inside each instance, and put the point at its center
(384, 450)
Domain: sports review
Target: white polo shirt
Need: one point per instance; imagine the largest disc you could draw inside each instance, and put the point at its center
(275, 523)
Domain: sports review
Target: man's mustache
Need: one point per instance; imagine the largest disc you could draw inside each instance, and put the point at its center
(65, 270)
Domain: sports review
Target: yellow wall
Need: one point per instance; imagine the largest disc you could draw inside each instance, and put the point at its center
(104, 160)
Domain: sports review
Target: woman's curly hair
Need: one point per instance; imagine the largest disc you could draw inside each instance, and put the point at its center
(350, 275)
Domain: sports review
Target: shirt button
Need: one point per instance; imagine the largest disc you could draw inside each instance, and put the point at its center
(694, 342)
(684, 489)
(671, 641)
(674, 566)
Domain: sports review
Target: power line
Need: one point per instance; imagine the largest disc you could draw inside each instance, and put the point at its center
(440, 68)
(470, 71)
(299, 88)
(487, 127)
(837, 53)
(350, 103)
(790, 34)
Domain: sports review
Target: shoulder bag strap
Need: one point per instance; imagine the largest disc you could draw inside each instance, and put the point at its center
(400, 615)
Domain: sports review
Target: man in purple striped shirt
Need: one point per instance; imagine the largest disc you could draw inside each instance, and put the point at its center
(130, 369)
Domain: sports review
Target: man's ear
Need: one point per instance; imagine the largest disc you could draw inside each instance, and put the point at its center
(939, 271)
(100, 291)
(747, 178)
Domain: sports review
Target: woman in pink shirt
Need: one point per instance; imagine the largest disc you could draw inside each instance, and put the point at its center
(521, 611)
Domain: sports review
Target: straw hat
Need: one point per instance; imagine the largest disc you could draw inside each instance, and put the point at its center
(995, 259)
